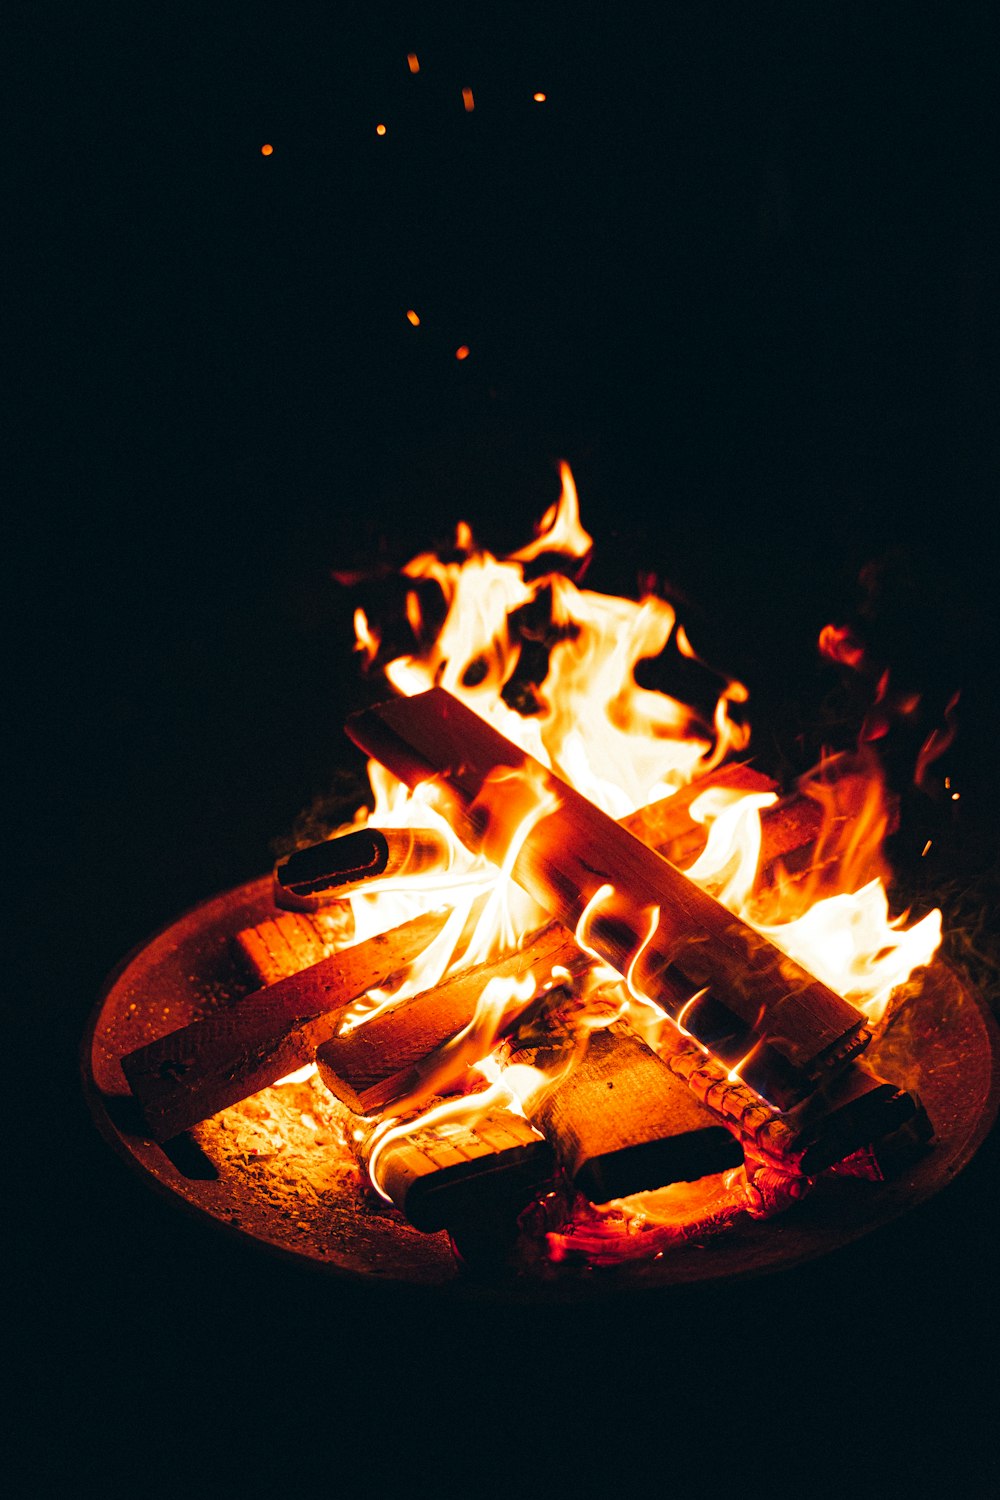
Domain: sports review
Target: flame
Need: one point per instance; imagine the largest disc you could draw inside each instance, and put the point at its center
(840, 644)
(520, 630)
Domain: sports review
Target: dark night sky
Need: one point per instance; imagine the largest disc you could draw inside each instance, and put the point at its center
(738, 269)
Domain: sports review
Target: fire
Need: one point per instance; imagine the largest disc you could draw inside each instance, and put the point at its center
(623, 746)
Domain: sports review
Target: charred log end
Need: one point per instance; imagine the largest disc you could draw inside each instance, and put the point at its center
(685, 1157)
(459, 1176)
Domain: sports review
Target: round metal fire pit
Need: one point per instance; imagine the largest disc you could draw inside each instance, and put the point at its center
(276, 1168)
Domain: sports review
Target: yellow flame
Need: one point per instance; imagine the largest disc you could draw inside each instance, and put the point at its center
(623, 746)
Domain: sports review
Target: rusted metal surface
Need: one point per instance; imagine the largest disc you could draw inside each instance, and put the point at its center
(277, 1167)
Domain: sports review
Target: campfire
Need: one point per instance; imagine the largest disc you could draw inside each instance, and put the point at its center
(582, 985)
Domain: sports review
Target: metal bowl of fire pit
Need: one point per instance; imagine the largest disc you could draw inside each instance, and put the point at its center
(277, 1168)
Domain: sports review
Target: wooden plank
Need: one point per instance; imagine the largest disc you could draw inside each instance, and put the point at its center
(193, 1072)
(290, 941)
(853, 1111)
(620, 1121)
(392, 1055)
(383, 1060)
(755, 1009)
(318, 874)
(448, 1175)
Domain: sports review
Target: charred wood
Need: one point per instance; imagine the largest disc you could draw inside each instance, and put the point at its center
(456, 1173)
(853, 1111)
(382, 1060)
(743, 999)
(620, 1121)
(313, 877)
(193, 1072)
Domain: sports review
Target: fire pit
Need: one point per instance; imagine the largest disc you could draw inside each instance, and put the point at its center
(591, 1004)
(277, 1168)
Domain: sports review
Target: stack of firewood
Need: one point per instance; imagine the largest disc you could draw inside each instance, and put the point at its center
(762, 1070)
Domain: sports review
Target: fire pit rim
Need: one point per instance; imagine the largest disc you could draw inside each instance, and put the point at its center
(579, 1285)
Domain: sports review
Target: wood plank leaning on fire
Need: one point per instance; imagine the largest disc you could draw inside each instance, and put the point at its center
(203, 1067)
(752, 1007)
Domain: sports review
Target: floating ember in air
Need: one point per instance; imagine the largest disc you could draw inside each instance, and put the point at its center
(541, 959)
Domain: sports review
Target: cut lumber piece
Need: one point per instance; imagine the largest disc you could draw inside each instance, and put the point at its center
(193, 1072)
(853, 1111)
(392, 1055)
(289, 942)
(454, 1173)
(751, 1006)
(620, 1121)
(312, 877)
(381, 1060)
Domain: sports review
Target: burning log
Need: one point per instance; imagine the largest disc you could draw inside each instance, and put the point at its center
(620, 1120)
(393, 1054)
(456, 1172)
(312, 877)
(379, 1062)
(210, 1064)
(854, 1110)
(201, 1068)
(273, 950)
(755, 1009)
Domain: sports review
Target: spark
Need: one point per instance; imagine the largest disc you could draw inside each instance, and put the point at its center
(413, 318)
(925, 848)
(266, 150)
(539, 98)
(413, 62)
(468, 101)
(462, 352)
(380, 130)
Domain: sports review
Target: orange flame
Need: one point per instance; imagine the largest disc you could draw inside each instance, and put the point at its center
(841, 645)
(623, 746)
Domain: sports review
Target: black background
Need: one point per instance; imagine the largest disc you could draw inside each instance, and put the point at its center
(738, 270)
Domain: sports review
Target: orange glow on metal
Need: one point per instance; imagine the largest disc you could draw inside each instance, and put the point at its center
(380, 130)
(413, 62)
(266, 150)
(462, 352)
(413, 318)
(468, 100)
